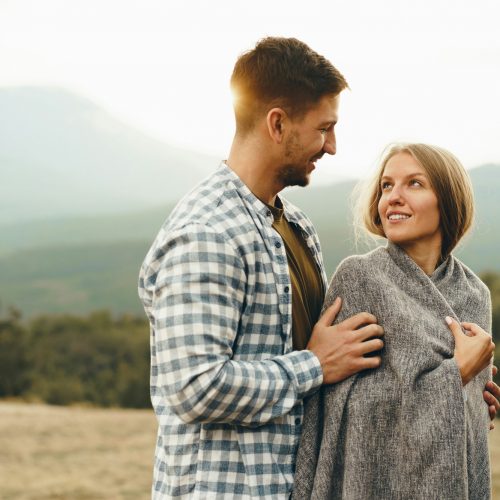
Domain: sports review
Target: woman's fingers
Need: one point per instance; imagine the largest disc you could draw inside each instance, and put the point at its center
(455, 328)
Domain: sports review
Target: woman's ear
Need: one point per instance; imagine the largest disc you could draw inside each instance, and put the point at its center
(276, 121)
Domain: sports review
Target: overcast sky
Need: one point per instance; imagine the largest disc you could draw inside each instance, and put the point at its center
(419, 71)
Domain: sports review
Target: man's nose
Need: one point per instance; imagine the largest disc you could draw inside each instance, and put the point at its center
(330, 145)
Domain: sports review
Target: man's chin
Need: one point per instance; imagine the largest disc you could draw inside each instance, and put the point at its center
(292, 177)
(298, 181)
(304, 181)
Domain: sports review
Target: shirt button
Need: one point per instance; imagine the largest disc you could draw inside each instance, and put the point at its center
(277, 244)
(287, 289)
(297, 421)
(269, 213)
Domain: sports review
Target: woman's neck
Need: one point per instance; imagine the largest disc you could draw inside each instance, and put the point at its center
(426, 256)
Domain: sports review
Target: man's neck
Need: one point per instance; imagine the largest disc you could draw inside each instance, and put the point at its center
(254, 165)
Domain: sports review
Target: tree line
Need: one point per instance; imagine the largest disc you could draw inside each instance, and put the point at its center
(98, 359)
(65, 359)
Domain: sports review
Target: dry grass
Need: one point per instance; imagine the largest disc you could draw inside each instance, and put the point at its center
(49, 452)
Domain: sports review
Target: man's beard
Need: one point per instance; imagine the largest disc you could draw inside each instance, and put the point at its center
(293, 175)
(296, 172)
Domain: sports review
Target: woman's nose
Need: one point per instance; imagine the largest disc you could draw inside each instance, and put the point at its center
(395, 196)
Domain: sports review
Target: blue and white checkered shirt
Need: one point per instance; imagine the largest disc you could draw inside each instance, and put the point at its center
(226, 386)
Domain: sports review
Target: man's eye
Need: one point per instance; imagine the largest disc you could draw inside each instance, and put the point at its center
(323, 130)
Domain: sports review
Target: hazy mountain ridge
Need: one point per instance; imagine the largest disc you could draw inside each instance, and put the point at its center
(60, 154)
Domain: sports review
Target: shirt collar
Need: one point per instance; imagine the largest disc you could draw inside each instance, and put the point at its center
(288, 211)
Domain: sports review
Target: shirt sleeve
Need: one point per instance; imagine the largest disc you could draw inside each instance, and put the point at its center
(197, 285)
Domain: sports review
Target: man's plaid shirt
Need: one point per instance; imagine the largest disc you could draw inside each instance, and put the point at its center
(226, 386)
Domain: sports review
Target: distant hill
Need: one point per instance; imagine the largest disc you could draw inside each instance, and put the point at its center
(86, 263)
(78, 279)
(62, 155)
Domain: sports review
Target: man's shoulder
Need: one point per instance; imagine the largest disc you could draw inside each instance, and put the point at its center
(213, 202)
(220, 210)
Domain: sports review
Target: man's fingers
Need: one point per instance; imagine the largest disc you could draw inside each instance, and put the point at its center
(492, 394)
(330, 314)
(367, 363)
(369, 331)
(360, 319)
(371, 346)
(492, 411)
(493, 404)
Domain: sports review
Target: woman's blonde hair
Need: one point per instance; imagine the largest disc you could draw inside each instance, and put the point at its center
(448, 179)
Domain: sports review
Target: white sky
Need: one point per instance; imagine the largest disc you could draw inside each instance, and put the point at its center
(419, 71)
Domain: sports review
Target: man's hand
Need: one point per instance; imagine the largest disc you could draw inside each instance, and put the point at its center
(341, 348)
(491, 395)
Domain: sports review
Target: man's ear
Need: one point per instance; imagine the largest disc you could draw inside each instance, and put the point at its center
(277, 120)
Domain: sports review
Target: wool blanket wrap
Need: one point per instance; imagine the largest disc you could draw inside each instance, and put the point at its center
(408, 429)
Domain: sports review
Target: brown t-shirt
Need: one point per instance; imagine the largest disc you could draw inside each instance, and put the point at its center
(307, 286)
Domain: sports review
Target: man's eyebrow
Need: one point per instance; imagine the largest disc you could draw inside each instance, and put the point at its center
(328, 122)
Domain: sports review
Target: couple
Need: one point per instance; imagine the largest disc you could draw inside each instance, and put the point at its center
(234, 285)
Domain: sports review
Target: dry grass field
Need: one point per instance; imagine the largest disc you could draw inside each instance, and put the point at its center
(49, 452)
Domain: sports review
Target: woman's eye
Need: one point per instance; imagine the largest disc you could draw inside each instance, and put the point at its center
(414, 182)
(385, 185)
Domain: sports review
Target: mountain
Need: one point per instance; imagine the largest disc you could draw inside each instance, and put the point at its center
(85, 263)
(62, 155)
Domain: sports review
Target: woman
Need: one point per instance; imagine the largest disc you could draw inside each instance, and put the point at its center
(416, 427)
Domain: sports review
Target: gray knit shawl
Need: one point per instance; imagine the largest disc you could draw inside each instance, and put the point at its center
(406, 430)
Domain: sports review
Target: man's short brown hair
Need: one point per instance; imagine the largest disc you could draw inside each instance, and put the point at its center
(284, 73)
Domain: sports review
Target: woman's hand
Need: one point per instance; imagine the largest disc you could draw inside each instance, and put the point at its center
(473, 351)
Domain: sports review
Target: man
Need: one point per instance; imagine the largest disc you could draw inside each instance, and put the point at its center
(233, 287)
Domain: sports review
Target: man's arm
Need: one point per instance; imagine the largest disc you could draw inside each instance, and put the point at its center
(199, 295)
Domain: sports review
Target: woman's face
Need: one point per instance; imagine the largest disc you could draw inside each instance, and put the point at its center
(408, 206)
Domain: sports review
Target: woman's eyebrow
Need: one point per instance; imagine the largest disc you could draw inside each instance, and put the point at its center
(416, 174)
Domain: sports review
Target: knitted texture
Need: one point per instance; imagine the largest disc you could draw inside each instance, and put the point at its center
(408, 429)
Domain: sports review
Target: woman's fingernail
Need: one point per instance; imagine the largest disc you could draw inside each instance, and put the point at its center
(448, 320)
